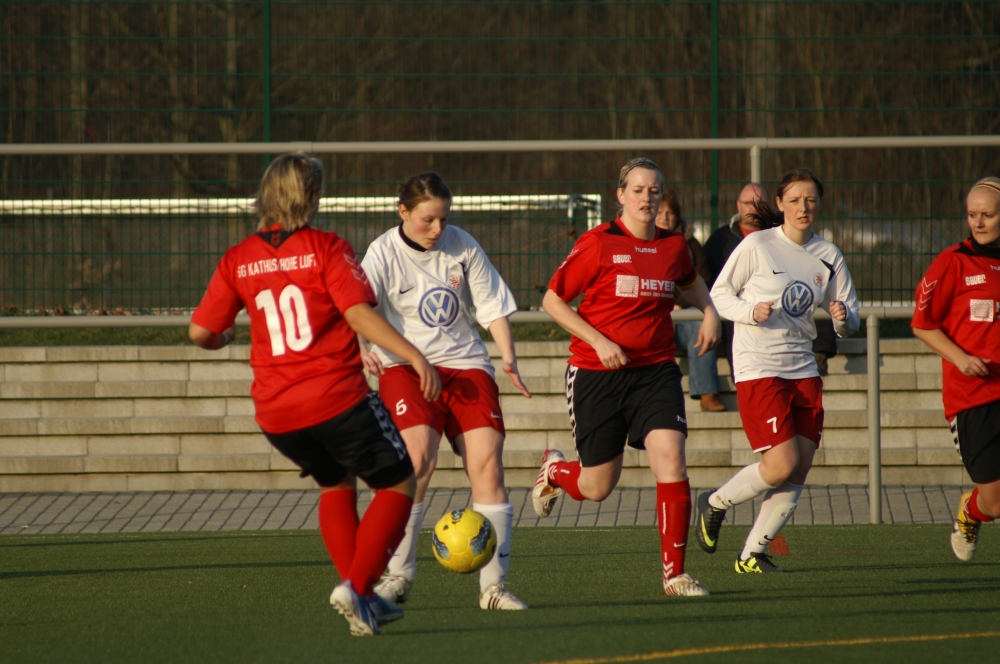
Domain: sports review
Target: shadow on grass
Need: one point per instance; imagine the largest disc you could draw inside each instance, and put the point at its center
(164, 568)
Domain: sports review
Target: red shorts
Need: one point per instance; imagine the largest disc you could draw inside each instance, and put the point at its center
(470, 399)
(774, 410)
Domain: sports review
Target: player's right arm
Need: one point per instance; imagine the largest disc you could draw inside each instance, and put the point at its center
(934, 298)
(610, 353)
(369, 324)
(217, 311)
(729, 285)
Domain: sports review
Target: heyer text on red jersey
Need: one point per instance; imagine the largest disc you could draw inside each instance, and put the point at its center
(267, 265)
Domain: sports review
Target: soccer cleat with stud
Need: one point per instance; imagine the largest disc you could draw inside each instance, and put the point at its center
(756, 563)
(355, 609)
(384, 610)
(683, 585)
(964, 532)
(544, 493)
(708, 523)
(497, 597)
(393, 588)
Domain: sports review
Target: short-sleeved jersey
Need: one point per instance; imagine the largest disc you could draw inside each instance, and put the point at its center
(628, 287)
(295, 287)
(768, 267)
(960, 295)
(428, 296)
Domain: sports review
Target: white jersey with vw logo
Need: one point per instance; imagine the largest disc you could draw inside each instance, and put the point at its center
(429, 296)
(768, 267)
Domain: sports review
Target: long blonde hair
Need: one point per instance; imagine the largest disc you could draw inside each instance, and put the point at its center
(290, 191)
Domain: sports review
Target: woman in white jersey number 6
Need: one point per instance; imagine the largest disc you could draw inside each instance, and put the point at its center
(770, 288)
(427, 277)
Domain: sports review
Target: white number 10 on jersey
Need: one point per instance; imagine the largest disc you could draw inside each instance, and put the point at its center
(298, 335)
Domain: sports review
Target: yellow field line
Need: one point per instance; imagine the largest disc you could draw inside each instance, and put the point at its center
(715, 650)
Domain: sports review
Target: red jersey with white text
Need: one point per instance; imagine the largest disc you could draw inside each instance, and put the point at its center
(628, 287)
(960, 295)
(295, 287)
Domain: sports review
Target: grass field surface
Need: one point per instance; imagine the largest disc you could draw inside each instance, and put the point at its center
(890, 593)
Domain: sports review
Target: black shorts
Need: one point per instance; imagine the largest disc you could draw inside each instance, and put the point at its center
(608, 408)
(362, 441)
(977, 437)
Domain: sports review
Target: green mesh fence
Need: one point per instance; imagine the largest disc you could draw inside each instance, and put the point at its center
(240, 71)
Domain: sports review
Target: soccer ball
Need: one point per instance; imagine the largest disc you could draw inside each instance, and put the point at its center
(464, 541)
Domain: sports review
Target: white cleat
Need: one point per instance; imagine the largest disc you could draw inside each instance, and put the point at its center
(683, 585)
(497, 597)
(355, 610)
(964, 532)
(544, 493)
(393, 588)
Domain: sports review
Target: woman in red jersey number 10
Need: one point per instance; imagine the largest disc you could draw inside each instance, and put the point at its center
(307, 298)
(622, 383)
(770, 288)
(957, 314)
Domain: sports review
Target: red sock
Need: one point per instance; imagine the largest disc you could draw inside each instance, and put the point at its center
(379, 534)
(338, 524)
(566, 476)
(673, 514)
(972, 508)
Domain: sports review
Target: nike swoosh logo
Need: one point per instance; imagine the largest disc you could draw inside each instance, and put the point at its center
(776, 272)
(495, 416)
(704, 533)
(504, 555)
(678, 546)
(407, 290)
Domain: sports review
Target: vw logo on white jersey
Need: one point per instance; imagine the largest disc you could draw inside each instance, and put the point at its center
(797, 299)
(439, 307)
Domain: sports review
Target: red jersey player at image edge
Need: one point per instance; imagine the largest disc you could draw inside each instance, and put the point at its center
(308, 298)
(957, 314)
(622, 383)
(433, 283)
(771, 287)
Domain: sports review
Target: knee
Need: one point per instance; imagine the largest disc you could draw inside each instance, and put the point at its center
(990, 504)
(597, 494)
(423, 463)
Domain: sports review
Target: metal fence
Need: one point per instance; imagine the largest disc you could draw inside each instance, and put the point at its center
(237, 71)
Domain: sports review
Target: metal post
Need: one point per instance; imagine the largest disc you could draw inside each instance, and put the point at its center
(714, 118)
(874, 423)
(755, 175)
(265, 29)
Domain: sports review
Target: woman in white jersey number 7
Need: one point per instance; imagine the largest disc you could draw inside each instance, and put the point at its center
(771, 287)
(427, 277)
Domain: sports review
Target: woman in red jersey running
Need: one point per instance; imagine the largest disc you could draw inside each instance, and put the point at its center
(308, 298)
(958, 317)
(770, 288)
(622, 383)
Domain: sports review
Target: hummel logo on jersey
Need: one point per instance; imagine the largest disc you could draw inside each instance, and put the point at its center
(646, 250)
(438, 307)
(995, 267)
(975, 280)
(621, 258)
(924, 294)
(681, 419)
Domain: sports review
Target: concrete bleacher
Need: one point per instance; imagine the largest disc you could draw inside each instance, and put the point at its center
(127, 418)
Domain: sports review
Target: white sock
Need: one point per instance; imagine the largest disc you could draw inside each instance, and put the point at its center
(743, 486)
(404, 560)
(775, 511)
(502, 518)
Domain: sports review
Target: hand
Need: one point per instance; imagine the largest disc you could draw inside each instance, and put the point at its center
(838, 311)
(228, 336)
(610, 354)
(708, 333)
(430, 382)
(762, 311)
(510, 368)
(973, 366)
(373, 365)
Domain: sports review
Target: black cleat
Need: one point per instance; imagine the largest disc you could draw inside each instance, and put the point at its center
(708, 523)
(756, 563)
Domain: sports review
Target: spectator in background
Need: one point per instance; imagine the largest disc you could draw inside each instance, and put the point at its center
(703, 371)
(720, 246)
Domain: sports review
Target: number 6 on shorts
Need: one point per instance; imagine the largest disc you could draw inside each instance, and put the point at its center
(401, 407)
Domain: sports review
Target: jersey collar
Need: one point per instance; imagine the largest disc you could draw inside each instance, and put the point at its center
(984, 249)
(275, 235)
(618, 228)
(408, 242)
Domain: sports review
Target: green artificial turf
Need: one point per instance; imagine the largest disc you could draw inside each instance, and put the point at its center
(594, 593)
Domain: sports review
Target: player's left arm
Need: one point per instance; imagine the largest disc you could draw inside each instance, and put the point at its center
(708, 333)
(504, 338)
(842, 300)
